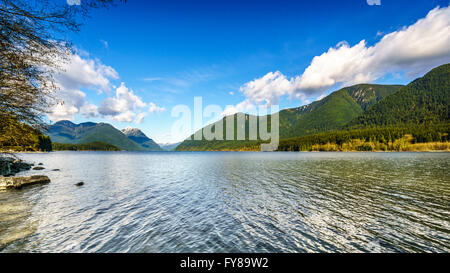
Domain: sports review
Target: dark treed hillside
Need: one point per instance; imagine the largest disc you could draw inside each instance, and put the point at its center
(414, 118)
(383, 113)
(70, 133)
(393, 138)
(92, 146)
(333, 111)
(330, 113)
(425, 100)
(18, 136)
(88, 132)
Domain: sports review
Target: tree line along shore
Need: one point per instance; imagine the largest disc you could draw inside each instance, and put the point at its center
(429, 137)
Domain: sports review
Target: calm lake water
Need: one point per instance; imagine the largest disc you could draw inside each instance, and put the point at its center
(231, 202)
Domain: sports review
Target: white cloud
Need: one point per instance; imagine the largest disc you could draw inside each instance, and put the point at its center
(121, 106)
(263, 91)
(127, 116)
(140, 118)
(77, 73)
(69, 103)
(413, 50)
(268, 89)
(374, 2)
(153, 79)
(63, 112)
(155, 109)
(80, 72)
(321, 97)
(245, 106)
(83, 72)
(74, 2)
(89, 110)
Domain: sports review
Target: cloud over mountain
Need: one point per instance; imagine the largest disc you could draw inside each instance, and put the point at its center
(413, 50)
(79, 73)
(121, 107)
(76, 73)
(153, 108)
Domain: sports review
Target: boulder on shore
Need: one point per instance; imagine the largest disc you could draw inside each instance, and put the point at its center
(19, 182)
(10, 166)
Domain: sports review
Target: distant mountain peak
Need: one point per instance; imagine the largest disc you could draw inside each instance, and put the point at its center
(69, 123)
(133, 132)
(130, 139)
(89, 124)
(139, 137)
(65, 123)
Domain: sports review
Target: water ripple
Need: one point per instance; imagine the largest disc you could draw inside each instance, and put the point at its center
(232, 202)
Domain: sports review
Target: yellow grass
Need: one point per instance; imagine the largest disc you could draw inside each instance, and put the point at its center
(430, 146)
(401, 145)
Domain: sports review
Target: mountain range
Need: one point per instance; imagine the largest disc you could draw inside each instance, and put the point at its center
(140, 138)
(169, 146)
(130, 139)
(333, 111)
(329, 113)
(425, 100)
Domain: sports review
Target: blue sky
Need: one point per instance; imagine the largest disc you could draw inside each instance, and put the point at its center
(144, 57)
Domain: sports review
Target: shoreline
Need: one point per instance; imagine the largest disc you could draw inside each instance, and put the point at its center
(241, 151)
(225, 150)
(424, 151)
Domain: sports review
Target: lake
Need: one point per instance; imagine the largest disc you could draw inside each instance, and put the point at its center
(231, 202)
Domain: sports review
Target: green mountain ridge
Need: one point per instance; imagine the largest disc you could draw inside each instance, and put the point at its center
(67, 132)
(333, 111)
(92, 146)
(329, 113)
(140, 138)
(425, 100)
(380, 113)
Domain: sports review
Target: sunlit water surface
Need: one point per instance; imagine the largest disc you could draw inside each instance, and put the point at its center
(231, 202)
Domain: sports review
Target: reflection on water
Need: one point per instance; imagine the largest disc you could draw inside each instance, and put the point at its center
(16, 221)
(232, 202)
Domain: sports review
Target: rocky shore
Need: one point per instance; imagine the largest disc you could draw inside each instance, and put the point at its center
(10, 167)
(19, 182)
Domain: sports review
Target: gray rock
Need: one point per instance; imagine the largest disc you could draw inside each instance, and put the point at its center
(40, 164)
(5, 167)
(55, 170)
(79, 184)
(10, 166)
(19, 182)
